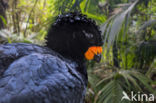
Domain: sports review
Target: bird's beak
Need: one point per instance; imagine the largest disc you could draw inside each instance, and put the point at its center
(97, 58)
(94, 53)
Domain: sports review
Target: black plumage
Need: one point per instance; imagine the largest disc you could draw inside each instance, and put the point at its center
(54, 74)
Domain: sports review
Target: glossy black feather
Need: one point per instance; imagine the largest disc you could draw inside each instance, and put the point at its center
(39, 75)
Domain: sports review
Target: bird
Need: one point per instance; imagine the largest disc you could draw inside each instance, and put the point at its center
(56, 72)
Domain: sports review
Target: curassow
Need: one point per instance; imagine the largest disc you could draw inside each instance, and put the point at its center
(53, 74)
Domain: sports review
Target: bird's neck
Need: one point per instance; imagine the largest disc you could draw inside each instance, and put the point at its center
(82, 69)
(78, 59)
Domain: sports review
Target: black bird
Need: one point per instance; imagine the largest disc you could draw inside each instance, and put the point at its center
(53, 74)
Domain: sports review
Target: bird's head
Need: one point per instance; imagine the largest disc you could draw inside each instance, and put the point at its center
(75, 36)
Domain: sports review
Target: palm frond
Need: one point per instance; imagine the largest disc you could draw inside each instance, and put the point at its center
(147, 24)
(123, 80)
(116, 25)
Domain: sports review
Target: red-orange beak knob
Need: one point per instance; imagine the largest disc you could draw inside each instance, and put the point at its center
(94, 53)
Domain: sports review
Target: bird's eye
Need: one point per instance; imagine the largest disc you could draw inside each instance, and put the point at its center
(88, 35)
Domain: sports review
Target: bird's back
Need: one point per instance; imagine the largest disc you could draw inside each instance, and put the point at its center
(11, 52)
(34, 74)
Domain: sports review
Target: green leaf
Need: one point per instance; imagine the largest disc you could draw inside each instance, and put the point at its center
(111, 93)
(3, 19)
(116, 24)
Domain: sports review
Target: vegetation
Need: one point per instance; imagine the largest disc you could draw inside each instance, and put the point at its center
(129, 33)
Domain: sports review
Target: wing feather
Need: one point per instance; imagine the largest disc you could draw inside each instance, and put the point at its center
(41, 78)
